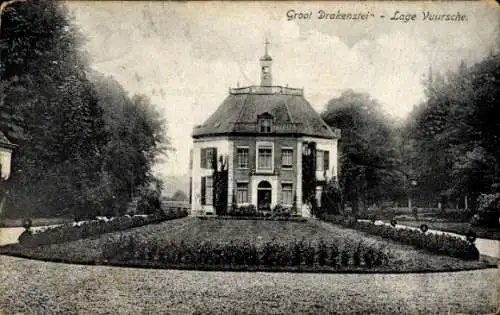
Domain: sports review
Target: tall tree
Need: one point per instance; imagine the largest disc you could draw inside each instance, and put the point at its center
(455, 135)
(370, 167)
(137, 137)
(82, 147)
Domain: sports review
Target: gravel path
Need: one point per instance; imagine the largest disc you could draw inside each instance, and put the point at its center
(35, 287)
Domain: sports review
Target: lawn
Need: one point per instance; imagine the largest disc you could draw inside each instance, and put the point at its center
(35, 287)
(403, 258)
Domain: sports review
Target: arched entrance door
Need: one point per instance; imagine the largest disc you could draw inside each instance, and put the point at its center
(264, 190)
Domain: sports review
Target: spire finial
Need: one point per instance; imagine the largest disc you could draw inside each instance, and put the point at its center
(266, 44)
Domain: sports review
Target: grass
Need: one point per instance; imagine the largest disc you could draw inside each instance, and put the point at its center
(456, 227)
(34, 287)
(404, 258)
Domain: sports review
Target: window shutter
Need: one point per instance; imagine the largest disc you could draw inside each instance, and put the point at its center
(190, 190)
(214, 157)
(203, 159)
(326, 161)
(203, 190)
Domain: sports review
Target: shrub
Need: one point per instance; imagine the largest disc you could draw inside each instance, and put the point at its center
(309, 254)
(297, 253)
(334, 254)
(281, 211)
(488, 211)
(322, 253)
(369, 258)
(149, 202)
(25, 237)
(345, 256)
(356, 255)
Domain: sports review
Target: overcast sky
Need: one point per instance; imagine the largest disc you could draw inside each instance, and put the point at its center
(185, 55)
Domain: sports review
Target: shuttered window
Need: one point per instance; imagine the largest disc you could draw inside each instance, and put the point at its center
(203, 187)
(208, 157)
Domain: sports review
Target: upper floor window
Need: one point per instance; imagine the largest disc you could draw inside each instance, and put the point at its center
(266, 125)
(286, 157)
(208, 157)
(265, 121)
(242, 157)
(265, 156)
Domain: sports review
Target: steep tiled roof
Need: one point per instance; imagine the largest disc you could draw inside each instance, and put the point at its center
(292, 114)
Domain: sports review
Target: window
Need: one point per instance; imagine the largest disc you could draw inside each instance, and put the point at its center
(319, 192)
(208, 156)
(191, 159)
(242, 192)
(286, 157)
(207, 190)
(265, 161)
(266, 124)
(242, 157)
(322, 160)
(287, 194)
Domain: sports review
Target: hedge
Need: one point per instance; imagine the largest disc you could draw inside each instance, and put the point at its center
(295, 253)
(435, 243)
(70, 232)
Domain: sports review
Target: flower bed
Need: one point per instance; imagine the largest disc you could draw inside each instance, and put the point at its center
(435, 243)
(69, 232)
(297, 253)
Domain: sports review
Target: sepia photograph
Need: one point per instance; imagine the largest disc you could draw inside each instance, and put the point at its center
(249, 157)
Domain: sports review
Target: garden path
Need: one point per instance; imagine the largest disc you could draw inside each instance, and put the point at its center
(35, 287)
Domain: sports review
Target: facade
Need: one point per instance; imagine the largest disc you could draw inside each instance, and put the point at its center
(258, 136)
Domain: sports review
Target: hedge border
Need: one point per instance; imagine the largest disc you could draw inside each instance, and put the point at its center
(240, 268)
(418, 239)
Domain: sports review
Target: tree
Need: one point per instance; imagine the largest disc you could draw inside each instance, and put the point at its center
(454, 136)
(137, 137)
(369, 161)
(309, 175)
(50, 110)
(220, 181)
(83, 149)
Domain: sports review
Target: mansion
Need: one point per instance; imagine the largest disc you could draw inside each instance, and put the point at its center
(258, 137)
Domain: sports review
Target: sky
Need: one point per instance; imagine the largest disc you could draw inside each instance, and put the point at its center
(186, 55)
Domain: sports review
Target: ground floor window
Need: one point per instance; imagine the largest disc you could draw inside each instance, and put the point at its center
(207, 190)
(242, 192)
(287, 193)
(319, 191)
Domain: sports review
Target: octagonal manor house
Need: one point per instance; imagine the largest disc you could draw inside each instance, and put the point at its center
(257, 140)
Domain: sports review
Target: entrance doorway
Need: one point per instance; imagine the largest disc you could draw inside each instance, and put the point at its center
(264, 199)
